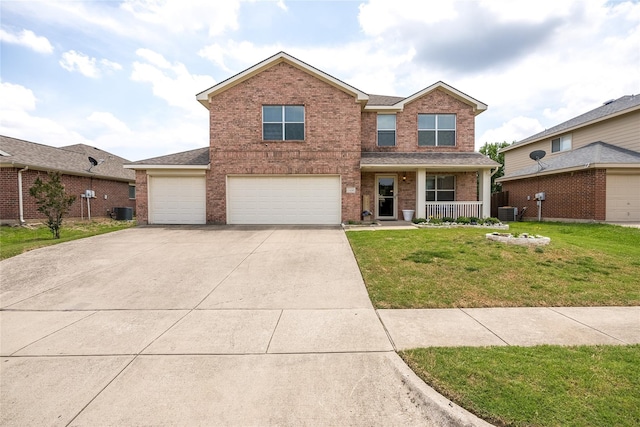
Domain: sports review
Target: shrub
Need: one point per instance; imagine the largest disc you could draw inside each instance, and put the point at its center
(476, 220)
(447, 219)
(419, 220)
(491, 220)
(434, 220)
(463, 220)
(52, 201)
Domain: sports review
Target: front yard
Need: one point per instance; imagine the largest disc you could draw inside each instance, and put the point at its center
(584, 265)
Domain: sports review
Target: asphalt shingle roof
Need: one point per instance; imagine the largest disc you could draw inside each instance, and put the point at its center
(197, 157)
(453, 159)
(384, 100)
(595, 153)
(71, 160)
(623, 103)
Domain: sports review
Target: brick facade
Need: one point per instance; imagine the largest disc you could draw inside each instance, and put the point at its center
(577, 195)
(332, 135)
(117, 193)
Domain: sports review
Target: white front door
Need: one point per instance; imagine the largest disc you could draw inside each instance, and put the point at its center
(386, 187)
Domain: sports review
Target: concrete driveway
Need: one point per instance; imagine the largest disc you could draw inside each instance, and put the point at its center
(201, 326)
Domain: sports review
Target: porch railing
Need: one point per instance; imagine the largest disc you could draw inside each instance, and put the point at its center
(454, 209)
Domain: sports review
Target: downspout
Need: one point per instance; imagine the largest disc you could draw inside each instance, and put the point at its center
(20, 200)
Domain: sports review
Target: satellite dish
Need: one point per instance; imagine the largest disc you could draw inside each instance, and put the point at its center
(93, 161)
(537, 155)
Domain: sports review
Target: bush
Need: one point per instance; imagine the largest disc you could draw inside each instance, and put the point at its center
(435, 221)
(476, 220)
(419, 220)
(448, 219)
(491, 221)
(463, 220)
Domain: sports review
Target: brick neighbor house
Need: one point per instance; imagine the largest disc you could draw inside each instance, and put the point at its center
(21, 162)
(290, 144)
(590, 171)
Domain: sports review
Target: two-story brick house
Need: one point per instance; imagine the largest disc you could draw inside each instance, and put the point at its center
(290, 144)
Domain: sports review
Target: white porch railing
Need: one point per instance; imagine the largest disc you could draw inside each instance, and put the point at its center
(454, 209)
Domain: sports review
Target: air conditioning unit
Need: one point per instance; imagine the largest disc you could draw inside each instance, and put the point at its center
(90, 194)
(507, 213)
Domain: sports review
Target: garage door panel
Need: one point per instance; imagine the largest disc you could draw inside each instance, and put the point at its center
(177, 200)
(623, 197)
(284, 200)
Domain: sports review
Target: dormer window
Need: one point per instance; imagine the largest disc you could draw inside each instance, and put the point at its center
(283, 122)
(436, 130)
(386, 130)
(561, 144)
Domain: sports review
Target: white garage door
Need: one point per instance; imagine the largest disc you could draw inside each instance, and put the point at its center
(623, 197)
(177, 200)
(283, 200)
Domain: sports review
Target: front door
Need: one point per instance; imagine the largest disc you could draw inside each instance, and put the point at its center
(386, 203)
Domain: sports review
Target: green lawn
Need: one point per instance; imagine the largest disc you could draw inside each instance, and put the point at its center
(16, 240)
(585, 265)
(537, 386)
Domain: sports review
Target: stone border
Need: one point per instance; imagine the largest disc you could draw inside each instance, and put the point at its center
(524, 240)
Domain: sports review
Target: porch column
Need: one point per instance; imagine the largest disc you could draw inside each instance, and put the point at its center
(421, 193)
(484, 178)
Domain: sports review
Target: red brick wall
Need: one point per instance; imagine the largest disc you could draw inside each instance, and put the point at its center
(332, 135)
(435, 102)
(571, 195)
(142, 199)
(117, 195)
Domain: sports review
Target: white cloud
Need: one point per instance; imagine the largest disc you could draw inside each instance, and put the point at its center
(108, 121)
(514, 130)
(28, 39)
(86, 65)
(15, 97)
(378, 17)
(171, 82)
(282, 6)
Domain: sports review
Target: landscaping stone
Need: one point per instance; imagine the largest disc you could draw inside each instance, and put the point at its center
(523, 239)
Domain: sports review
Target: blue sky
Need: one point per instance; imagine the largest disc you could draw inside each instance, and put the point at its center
(122, 75)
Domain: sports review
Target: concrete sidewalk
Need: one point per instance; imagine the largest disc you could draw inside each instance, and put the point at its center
(512, 326)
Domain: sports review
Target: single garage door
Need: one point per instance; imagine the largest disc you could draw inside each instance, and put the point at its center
(177, 200)
(623, 197)
(283, 199)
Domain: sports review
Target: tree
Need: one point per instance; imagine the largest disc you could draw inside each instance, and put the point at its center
(52, 201)
(491, 150)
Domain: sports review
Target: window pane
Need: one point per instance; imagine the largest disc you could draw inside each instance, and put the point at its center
(294, 131)
(426, 121)
(426, 138)
(132, 191)
(446, 182)
(565, 143)
(272, 131)
(386, 121)
(386, 138)
(446, 196)
(271, 113)
(431, 196)
(555, 145)
(447, 137)
(294, 113)
(431, 182)
(446, 121)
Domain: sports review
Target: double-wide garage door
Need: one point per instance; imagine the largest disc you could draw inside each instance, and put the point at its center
(623, 197)
(283, 199)
(177, 200)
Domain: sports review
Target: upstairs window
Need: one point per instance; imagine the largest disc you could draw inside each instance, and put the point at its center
(386, 130)
(435, 130)
(283, 122)
(441, 188)
(561, 144)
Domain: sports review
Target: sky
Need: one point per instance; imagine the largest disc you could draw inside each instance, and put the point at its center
(122, 75)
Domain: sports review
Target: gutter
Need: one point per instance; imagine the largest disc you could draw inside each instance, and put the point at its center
(20, 199)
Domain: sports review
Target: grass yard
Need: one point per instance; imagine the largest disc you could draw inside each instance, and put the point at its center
(16, 240)
(584, 265)
(537, 386)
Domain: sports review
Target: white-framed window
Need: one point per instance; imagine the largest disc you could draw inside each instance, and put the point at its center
(386, 130)
(441, 188)
(132, 191)
(436, 130)
(283, 122)
(561, 144)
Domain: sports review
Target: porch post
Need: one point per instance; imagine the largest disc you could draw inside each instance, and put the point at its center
(484, 176)
(421, 193)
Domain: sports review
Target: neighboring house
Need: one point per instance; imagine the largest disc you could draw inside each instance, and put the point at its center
(290, 144)
(591, 170)
(21, 162)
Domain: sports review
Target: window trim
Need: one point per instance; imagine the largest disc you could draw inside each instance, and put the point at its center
(562, 138)
(284, 122)
(436, 190)
(436, 129)
(395, 130)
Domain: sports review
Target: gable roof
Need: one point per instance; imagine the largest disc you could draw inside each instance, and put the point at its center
(192, 159)
(384, 102)
(608, 110)
(595, 155)
(203, 97)
(71, 160)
